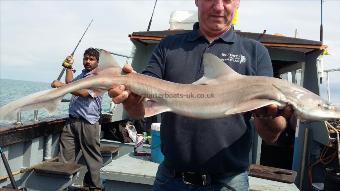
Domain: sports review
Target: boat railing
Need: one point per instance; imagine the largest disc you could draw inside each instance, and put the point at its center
(35, 117)
(19, 118)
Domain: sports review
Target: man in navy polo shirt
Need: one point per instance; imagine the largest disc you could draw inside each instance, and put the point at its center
(207, 154)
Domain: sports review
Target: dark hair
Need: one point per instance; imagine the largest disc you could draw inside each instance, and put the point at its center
(92, 52)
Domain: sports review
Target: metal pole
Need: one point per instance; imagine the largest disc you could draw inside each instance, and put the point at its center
(321, 25)
(328, 88)
(8, 169)
(121, 55)
(35, 116)
(48, 147)
(303, 157)
(19, 118)
(296, 33)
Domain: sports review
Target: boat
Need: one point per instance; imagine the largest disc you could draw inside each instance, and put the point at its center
(31, 148)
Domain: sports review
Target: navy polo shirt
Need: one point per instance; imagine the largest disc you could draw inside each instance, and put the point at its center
(213, 145)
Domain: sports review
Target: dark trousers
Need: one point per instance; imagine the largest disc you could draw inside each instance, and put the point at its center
(81, 135)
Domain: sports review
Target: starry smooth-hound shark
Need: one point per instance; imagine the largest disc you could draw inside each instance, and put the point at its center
(219, 93)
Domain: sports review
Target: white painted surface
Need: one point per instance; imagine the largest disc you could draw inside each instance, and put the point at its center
(269, 185)
(129, 168)
(141, 170)
(183, 20)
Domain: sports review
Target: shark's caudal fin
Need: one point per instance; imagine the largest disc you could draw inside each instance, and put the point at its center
(215, 70)
(48, 99)
(33, 101)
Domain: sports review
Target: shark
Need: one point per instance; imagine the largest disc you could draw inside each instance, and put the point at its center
(219, 93)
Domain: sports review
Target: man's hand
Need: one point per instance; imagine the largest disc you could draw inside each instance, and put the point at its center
(68, 62)
(56, 84)
(270, 121)
(132, 103)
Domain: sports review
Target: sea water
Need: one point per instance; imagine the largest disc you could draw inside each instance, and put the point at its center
(11, 90)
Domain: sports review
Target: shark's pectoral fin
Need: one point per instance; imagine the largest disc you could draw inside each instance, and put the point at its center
(153, 108)
(49, 104)
(52, 105)
(251, 105)
(206, 81)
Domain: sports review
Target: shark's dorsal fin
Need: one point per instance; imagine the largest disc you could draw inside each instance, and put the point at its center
(215, 70)
(106, 60)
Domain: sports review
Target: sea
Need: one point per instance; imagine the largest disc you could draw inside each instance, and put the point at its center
(11, 90)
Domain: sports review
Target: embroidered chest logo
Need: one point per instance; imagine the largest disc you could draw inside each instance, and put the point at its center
(237, 58)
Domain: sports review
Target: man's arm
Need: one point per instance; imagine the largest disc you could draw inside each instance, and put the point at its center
(132, 103)
(81, 93)
(69, 76)
(69, 72)
(69, 79)
(270, 122)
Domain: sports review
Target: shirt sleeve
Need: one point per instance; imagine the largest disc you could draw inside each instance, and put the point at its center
(80, 76)
(264, 63)
(91, 93)
(156, 65)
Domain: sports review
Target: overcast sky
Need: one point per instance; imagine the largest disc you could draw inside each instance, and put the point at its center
(35, 36)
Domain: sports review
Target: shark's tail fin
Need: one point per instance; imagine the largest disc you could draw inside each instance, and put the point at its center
(49, 99)
(37, 100)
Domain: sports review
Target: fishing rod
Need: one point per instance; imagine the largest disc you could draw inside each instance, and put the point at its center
(8, 169)
(151, 16)
(65, 61)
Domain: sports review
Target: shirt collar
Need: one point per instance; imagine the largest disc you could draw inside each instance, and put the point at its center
(195, 34)
(228, 36)
(85, 72)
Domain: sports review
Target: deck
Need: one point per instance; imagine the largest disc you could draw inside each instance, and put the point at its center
(128, 172)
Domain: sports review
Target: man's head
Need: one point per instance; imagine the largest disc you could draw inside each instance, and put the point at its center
(215, 16)
(90, 59)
